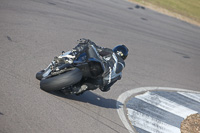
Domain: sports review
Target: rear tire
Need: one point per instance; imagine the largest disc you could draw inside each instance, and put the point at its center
(62, 80)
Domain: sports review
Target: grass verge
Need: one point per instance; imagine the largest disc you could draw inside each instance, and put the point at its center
(187, 10)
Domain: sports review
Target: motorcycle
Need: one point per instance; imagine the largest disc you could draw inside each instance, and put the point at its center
(65, 71)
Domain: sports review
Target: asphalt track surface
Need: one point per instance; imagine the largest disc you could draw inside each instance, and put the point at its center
(164, 52)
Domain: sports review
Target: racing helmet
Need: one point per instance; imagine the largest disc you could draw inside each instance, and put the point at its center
(121, 50)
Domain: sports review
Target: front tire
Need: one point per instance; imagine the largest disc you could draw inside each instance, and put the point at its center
(62, 80)
(39, 75)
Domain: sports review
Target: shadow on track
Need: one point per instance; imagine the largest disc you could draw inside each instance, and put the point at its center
(90, 97)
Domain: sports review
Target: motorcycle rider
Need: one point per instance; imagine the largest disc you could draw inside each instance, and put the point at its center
(108, 72)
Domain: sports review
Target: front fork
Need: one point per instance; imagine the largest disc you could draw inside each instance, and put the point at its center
(48, 70)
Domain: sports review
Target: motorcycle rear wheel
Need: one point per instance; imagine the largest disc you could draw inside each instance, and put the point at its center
(63, 80)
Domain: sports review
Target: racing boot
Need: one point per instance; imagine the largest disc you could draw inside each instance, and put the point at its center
(78, 90)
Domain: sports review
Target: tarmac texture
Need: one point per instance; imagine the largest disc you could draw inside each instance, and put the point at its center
(163, 51)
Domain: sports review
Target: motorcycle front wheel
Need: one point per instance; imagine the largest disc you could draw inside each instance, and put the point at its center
(63, 80)
(39, 75)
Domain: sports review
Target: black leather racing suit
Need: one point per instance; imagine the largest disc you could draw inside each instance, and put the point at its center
(112, 63)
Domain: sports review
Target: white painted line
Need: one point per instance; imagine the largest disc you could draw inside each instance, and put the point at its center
(120, 110)
(122, 98)
(150, 124)
(166, 104)
(193, 96)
